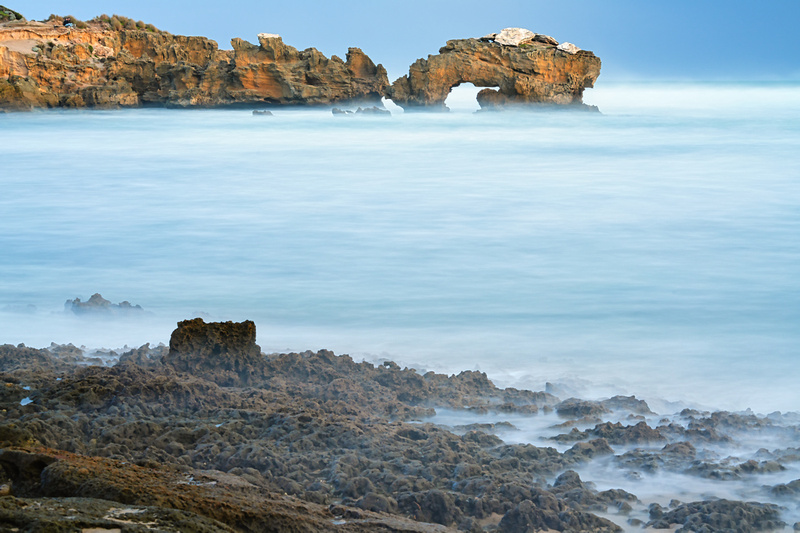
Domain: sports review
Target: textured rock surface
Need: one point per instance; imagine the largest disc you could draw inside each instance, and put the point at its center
(223, 352)
(313, 441)
(102, 64)
(532, 71)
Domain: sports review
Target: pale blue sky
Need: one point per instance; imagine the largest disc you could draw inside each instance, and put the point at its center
(636, 39)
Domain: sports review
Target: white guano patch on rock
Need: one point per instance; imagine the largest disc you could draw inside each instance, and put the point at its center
(268, 36)
(568, 48)
(519, 36)
(514, 36)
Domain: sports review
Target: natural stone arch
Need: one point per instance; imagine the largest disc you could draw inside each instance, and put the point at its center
(463, 95)
(532, 73)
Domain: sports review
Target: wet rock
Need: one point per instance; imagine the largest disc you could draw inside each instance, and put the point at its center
(615, 433)
(586, 451)
(787, 490)
(718, 516)
(728, 470)
(528, 518)
(16, 358)
(373, 110)
(627, 403)
(99, 516)
(224, 352)
(577, 408)
(235, 506)
(97, 305)
(262, 113)
(145, 356)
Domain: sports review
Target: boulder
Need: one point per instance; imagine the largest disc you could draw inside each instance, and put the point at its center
(569, 48)
(223, 352)
(514, 36)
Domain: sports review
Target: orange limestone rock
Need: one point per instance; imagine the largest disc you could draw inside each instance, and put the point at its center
(524, 67)
(109, 62)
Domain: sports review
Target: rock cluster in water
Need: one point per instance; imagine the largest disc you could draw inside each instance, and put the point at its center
(115, 61)
(97, 305)
(212, 435)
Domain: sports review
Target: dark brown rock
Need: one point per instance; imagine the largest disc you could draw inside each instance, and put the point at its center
(224, 352)
(719, 516)
(219, 498)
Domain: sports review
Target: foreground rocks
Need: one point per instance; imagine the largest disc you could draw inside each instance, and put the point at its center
(211, 432)
(526, 68)
(114, 61)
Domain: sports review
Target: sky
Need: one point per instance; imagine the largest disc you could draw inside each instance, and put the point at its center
(681, 40)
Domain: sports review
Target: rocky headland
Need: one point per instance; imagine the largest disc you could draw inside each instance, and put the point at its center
(210, 434)
(115, 61)
(118, 62)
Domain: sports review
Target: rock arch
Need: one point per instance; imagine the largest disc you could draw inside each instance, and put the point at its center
(536, 72)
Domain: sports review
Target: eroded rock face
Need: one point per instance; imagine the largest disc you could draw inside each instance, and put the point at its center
(525, 67)
(53, 65)
(223, 352)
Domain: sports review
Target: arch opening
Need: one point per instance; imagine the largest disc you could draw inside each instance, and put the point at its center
(463, 98)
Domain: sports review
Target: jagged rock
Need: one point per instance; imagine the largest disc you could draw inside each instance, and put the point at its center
(223, 352)
(615, 433)
(223, 502)
(96, 304)
(718, 516)
(535, 72)
(528, 518)
(51, 65)
(577, 408)
(627, 403)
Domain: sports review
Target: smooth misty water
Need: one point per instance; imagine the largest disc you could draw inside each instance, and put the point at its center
(652, 249)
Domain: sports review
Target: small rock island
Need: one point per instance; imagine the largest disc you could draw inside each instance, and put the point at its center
(526, 68)
(118, 62)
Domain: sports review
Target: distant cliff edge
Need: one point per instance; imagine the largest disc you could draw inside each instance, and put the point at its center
(118, 62)
(115, 61)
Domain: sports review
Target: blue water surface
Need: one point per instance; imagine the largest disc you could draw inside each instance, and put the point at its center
(650, 249)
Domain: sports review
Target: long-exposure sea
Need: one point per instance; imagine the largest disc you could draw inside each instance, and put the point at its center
(651, 249)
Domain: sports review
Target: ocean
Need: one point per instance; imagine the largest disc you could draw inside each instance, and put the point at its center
(649, 249)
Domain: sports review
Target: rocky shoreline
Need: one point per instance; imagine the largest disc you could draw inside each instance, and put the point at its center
(115, 61)
(210, 434)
